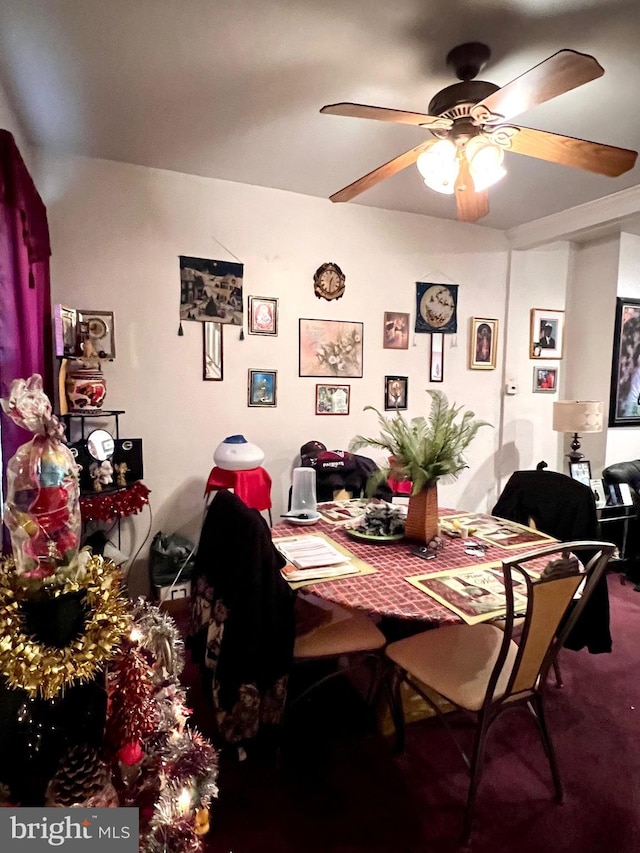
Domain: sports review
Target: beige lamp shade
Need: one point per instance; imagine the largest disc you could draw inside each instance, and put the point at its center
(578, 416)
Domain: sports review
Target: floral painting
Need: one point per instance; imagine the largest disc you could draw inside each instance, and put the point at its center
(330, 348)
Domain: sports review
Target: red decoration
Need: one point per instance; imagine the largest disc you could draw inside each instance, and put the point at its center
(108, 505)
(131, 753)
(130, 700)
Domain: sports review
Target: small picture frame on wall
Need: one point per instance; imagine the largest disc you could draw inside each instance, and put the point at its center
(436, 357)
(396, 330)
(547, 333)
(483, 343)
(545, 379)
(395, 392)
(100, 326)
(263, 388)
(581, 471)
(333, 399)
(263, 315)
(212, 369)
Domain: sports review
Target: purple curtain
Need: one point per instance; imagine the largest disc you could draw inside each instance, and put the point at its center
(25, 302)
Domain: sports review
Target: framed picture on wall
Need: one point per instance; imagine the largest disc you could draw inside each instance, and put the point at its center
(263, 315)
(547, 333)
(263, 388)
(330, 348)
(545, 379)
(396, 330)
(395, 392)
(483, 343)
(332, 399)
(624, 405)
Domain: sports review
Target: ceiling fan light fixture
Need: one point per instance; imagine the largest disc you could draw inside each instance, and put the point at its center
(485, 162)
(439, 167)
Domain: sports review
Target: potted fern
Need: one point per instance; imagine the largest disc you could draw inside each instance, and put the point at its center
(423, 450)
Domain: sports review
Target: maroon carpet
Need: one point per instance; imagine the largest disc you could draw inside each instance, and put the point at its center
(340, 787)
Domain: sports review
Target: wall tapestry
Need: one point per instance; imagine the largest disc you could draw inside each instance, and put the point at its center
(211, 291)
(436, 307)
(624, 405)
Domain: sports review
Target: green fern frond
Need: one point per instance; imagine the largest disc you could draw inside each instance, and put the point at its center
(424, 449)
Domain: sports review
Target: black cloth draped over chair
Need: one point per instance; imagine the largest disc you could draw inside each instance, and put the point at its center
(242, 630)
(565, 509)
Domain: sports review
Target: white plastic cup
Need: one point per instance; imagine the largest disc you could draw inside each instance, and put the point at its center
(303, 491)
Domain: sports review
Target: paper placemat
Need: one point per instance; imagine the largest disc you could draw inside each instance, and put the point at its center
(363, 567)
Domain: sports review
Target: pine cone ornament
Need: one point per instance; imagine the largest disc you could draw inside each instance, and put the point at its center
(82, 779)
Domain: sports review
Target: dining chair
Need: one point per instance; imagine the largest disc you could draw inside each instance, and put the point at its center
(345, 638)
(480, 668)
(563, 508)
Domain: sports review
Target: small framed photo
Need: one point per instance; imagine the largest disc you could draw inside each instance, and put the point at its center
(100, 326)
(581, 471)
(597, 487)
(483, 343)
(545, 380)
(332, 399)
(396, 330)
(65, 327)
(547, 333)
(395, 392)
(436, 359)
(212, 370)
(263, 315)
(263, 388)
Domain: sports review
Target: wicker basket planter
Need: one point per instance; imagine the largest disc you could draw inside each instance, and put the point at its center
(422, 515)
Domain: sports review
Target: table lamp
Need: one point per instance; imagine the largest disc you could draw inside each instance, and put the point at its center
(577, 416)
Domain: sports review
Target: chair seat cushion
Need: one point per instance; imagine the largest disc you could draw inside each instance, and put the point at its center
(456, 661)
(347, 631)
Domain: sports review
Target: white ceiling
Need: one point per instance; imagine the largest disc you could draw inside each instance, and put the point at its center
(231, 89)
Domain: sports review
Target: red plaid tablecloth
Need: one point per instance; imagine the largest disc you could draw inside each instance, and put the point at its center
(387, 592)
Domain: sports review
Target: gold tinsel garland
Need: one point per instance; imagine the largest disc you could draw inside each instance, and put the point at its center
(46, 670)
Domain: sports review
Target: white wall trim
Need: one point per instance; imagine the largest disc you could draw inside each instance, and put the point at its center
(609, 211)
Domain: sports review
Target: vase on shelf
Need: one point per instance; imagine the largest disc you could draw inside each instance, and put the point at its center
(422, 515)
(85, 388)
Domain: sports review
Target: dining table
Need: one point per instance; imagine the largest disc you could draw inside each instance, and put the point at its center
(388, 581)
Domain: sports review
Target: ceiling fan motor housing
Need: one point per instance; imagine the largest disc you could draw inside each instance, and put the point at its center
(455, 101)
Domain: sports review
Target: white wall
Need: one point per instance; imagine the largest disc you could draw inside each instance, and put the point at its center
(117, 231)
(538, 279)
(591, 307)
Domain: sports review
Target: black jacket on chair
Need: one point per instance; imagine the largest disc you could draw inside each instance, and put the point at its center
(242, 618)
(565, 509)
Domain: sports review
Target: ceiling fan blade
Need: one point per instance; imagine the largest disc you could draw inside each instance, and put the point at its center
(560, 73)
(384, 114)
(385, 171)
(471, 205)
(568, 151)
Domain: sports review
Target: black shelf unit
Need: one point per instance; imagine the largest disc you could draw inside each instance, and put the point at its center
(83, 416)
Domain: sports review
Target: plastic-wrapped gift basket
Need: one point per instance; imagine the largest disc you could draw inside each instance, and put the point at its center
(42, 510)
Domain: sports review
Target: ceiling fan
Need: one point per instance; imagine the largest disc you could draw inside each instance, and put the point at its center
(470, 121)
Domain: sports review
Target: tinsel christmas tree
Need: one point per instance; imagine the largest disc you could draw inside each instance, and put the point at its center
(52, 696)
